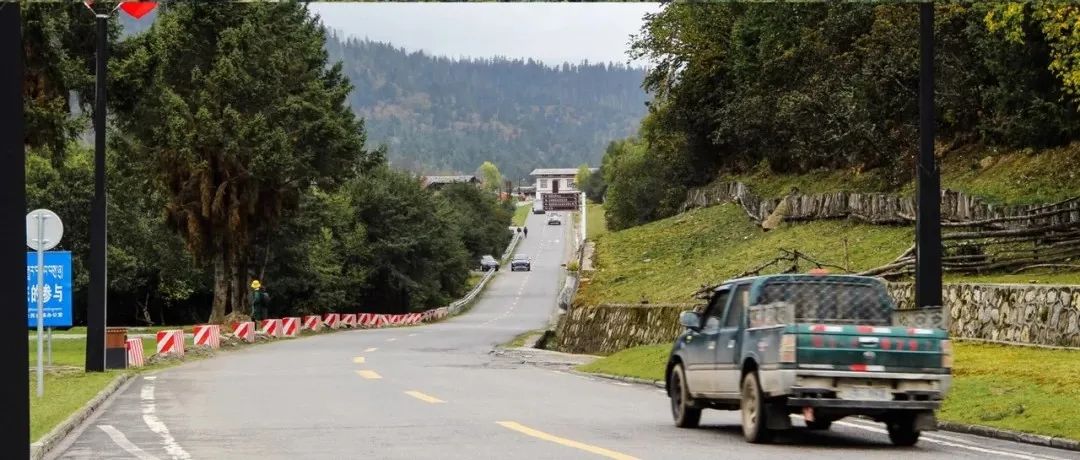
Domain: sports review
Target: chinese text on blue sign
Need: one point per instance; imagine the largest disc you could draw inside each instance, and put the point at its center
(57, 292)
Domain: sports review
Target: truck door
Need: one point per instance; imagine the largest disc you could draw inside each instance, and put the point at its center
(729, 346)
(701, 347)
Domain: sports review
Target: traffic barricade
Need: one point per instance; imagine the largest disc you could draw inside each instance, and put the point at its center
(170, 342)
(208, 335)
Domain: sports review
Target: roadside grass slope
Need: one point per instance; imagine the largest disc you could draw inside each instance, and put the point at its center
(993, 385)
(997, 176)
(668, 260)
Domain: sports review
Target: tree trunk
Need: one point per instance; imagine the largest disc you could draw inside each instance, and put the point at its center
(221, 289)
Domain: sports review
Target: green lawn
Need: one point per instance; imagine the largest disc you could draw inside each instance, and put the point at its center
(597, 222)
(520, 214)
(1016, 388)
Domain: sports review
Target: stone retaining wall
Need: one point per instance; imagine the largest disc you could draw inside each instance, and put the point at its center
(1018, 313)
(606, 329)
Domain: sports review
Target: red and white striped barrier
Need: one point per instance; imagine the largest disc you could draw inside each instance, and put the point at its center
(332, 320)
(366, 319)
(312, 322)
(208, 335)
(271, 327)
(134, 352)
(415, 318)
(170, 342)
(244, 331)
(290, 327)
(348, 320)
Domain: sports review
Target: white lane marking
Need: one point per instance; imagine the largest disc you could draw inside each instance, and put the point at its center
(151, 419)
(412, 335)
(951, 444)
(150, 377)
(391, 339)
(126, 444)
(369, 350)
(940, 438)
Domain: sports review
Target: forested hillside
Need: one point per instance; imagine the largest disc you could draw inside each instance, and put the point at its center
(799, 88)
(444, 115)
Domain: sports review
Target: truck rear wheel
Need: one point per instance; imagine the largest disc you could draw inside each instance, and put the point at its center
(902, 431)
(682, 410)
(753, 407)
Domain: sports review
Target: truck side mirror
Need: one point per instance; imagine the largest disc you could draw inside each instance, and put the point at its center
(690, 320)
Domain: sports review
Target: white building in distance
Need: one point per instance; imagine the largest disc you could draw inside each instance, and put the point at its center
(556, 180)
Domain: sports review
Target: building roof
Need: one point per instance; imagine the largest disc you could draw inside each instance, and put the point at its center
(429, 180)
(558, 171)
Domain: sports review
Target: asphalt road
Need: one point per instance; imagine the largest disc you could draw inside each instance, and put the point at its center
(442, 391)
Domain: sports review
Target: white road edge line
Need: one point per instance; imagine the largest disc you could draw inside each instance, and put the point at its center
(125, 443)
(1002, 453)
(151, 419)
(940, 438)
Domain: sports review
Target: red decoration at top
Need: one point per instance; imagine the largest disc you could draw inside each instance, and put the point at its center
(138, 9)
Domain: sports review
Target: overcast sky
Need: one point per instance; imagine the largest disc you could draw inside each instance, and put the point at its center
(550, 32)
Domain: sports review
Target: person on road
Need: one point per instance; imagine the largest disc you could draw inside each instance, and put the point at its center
(526, 232)
(260, 301)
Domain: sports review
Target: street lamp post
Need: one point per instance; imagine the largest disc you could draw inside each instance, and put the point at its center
(928, 222)
(15, 392)
(96, 305)
(96, 309)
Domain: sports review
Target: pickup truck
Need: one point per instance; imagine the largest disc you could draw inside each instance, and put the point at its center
(822, 346)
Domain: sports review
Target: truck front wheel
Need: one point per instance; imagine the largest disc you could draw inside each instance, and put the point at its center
(682, 410)
(753, 406)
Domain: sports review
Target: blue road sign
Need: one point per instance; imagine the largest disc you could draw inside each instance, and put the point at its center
(57, 292)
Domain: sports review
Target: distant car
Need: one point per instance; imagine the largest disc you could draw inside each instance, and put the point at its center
(554, 219)
(489, 263)
(538, 207)
(520, 262)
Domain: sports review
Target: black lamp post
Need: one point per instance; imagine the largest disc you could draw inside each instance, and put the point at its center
(928, 222)
(96, 306)
(15, 392)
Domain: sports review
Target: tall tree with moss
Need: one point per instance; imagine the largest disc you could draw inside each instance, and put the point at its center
(235, 111)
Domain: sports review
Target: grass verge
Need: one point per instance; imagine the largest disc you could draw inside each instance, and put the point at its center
(993, 385)
(519, 341)
(520, 214)
(597, 221)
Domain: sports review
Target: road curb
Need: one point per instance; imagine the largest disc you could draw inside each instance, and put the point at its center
(978, 430)
(1009, 435)
(47, 443)
(635, 380)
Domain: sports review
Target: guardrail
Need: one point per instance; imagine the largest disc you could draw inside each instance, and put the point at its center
(458, 305)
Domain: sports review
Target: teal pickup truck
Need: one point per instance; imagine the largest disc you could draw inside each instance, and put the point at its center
(822, 346)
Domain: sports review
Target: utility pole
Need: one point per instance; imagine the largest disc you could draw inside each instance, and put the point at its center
(15, 391)
(928, 222)
(96, 307)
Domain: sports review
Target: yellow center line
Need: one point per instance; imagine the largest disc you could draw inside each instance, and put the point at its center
(369, 350)
(424, 397)
(370, 375)
(358, 360)
(565, 442)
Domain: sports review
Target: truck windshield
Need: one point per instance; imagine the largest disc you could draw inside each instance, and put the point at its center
(831, 301)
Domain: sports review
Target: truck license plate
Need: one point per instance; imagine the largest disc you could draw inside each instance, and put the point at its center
(866, 394)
